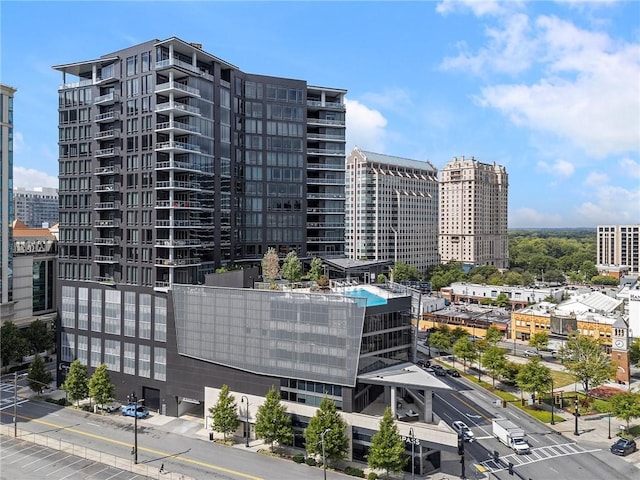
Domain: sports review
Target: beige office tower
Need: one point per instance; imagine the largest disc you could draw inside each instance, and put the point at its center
(618, 245)
(473, 213)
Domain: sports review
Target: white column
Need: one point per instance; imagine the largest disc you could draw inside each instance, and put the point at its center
(393, 401)
(428, 406)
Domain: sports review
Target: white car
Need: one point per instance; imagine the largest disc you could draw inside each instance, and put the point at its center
(462, 429)
(109, 407)
(531, 353)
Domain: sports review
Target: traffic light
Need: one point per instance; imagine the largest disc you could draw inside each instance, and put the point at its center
(460, 445)
(510, 468)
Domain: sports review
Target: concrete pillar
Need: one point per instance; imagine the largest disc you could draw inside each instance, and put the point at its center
(394, 402)
(428, 406)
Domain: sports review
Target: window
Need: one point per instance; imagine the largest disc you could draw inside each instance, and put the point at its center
(96, 310)
(129, 312)
(96, 352)
(83, 349)
(112, 312)
(83, 308)
(144, 311)
(129, 364)
(67, 313)
(112, 355)
(144, 361)
(160, 364)
(160, 320)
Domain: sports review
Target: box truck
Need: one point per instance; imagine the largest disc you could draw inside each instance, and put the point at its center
(511, 435)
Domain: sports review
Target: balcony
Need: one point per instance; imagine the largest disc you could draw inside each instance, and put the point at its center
(106, 187)
(106, 134)
(108, 99)
(178, 243)
(326, 166)
(108, 223)
(178, 204)
(107, 152)
(107, 206)
(175, 63)
(172, 86)
(177, 165)
(325, 225)
(324, 152)
(81, 83)
(325, 121)
(325, 137)
(325, 181)
(108, 116)
(178, 223)
(173, 184)
(316, 104)
(326, 210)
(175, 126)
(106, 259)
(178, 262)
(177, 147)
(325, 239)
(107, 280)
(177, 107)
(322, 195)
(104, 241)
(108, 170)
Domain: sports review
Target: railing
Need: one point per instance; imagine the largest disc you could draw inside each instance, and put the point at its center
(107, 206)
(104, 241)
(175, 184)
(326, 166)
(325, 210)
(105, 134)
(105, 259)
(325, 181)
(174, 62)
(325, 136)
(107, 116)
(177, 204)
(323, 151)
(108, 152)
(324, 121)
(108, 187)
(177, 106)
(177, 86)
(177, 262)
(108, 170)
(177, 126)
(337, 196)
(109, 97)
(177, 145)
(325, 239)
(107, 223)
(81, 83)
(178, 243)
(317, 103)
(324, 225)
(81, 451)
(178, 223)
(177, 164)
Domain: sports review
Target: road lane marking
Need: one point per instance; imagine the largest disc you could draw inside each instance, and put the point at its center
(148, 450)
(93, 424)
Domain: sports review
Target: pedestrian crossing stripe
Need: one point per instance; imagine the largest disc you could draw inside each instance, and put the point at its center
(537, 455)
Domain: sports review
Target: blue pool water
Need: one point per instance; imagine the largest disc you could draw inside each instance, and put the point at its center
(372, 300)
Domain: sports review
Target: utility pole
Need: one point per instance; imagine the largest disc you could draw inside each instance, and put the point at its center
(15, 404)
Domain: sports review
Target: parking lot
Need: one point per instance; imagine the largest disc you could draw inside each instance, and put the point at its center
(23, 460)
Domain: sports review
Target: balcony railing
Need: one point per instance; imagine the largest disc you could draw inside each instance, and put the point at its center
(317, 103)
(190, 147)
(178, 204)
(109, 223)
(107, 152)
(107, 187)
(326, 166)
(179, 185)
(179, 223)
(324, 151)
(107, 116)
(81, 83)
(161, 107)
(108, 170)
(107, 206)
(178, 243)
(177, 126)
(325, 210)
(106, 259)
(177, 86)
(104, 241)
(106, 134)
(325, 136)
(176, 164)
(178, 262)
(325, 121)
(325, 239)
(174, 62)
(335, 196)
(325, 181)
(105, 99)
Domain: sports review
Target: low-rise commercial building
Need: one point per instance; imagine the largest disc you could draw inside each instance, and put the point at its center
(518, 296)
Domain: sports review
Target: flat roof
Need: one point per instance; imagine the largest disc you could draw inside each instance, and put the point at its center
(405, 375)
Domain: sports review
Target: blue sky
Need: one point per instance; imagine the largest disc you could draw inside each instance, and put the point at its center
(551, 90)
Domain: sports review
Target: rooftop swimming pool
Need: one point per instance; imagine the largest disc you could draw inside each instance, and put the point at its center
(371, 299)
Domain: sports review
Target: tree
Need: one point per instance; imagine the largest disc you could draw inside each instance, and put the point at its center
(585, 358)
(510, 371)
(465, 349)
(327, 419)
(588, 270)
(224, 415)
(402, 272)
(625, 406)
(272, 422)
(534, 377)
(494, 360)
(539, 340)
(458, 333)
(100, 386)
(315, 269)
(513, 278)
(39, 377)
(270, 265)
(39, 337)
(387, 448)
(440, 340)
(634, 352)
(13, 345)
(77, 382)
(292, 267)
(493, 335)
(502, 300)
(381, 278)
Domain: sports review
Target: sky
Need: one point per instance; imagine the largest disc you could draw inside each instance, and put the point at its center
(550, 90)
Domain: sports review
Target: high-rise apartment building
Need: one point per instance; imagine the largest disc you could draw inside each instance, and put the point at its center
(37, 207)
(6, 201)
(473, 213)
(392, 209)
(174, 162)
(618, 245)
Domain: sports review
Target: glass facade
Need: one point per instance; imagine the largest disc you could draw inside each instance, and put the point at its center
(306, 336)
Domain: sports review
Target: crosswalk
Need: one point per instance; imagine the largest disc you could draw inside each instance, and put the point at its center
(537, 455)
(7, 396)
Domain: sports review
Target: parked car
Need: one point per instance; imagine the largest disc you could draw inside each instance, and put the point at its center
(437, 366)
(624, 446)
(131, 411)
(453, 372)
(461, 428)
(109, 407)
(531, 353)
(554, 353)
(441, 372)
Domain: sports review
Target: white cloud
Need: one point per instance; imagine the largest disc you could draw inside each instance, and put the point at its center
(479, 8)
(365, 127)
(609, 204)
(629, 167)
(29, 178)
(595, 179)
(18, 142)
(561, 168)
(530, 218)
(581, 86)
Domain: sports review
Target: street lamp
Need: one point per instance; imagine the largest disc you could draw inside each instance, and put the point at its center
(324, 461)
(413, 441)
(15, 404)
(134, 400)
(479, 365)
(553, 400)
(575, 432)
(609, 437)
(242, 400)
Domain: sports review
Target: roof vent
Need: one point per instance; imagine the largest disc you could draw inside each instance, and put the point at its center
(196, 45)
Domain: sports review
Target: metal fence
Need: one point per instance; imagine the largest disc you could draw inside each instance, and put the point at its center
(92, 455)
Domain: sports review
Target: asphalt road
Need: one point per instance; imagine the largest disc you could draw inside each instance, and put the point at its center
(157, 444)
(553, 456)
